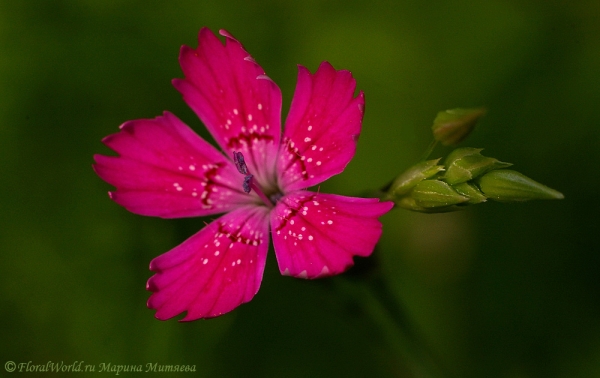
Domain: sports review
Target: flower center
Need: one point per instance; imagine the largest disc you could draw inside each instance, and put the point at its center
(250, 184)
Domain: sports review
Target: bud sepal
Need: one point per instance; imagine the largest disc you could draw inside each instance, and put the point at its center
(465, 164)
(435, 194)
(413, 175)
(470, 191)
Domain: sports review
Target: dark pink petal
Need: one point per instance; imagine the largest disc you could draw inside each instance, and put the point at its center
(317, 235)
(240, 106)
(215, 270)
(166, 170)
(321, 129)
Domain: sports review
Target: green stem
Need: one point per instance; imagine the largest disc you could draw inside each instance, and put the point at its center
(382, 193)
(379, 303)
(429, 150)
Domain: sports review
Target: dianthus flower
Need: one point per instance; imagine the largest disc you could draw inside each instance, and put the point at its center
(164, 169)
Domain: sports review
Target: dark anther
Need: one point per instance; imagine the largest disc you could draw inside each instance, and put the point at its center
(275, 197)
(240, 164)
(247, 183)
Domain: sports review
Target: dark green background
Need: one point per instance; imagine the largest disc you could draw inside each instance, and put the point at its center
(497, 290)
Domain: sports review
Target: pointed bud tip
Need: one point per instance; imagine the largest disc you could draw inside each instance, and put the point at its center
(413, 175)
(506, 185)
(470, 191)
(467, 163)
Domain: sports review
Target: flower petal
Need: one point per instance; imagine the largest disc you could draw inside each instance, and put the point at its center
(213, 271)
(317, 235)
(321, 129)
(166, 170)
(240, 106)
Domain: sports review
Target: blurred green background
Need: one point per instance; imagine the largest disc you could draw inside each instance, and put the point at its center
(496, 291)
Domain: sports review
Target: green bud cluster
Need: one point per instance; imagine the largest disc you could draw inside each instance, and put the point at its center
(466, 178)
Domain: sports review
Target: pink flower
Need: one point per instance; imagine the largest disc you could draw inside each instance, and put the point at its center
(164, 169)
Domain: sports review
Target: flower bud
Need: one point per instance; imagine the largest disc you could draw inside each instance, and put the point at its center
(435, 193)
(413, 175)
(465, 164)
(510, 186)
(452, 126)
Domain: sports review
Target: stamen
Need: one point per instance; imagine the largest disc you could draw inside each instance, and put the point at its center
(249, 183)
(240, 163)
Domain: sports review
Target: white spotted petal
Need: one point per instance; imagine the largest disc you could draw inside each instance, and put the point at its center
(215, 270)
(164, 169)
(238, 103)
(317, 234)
(321, 129)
